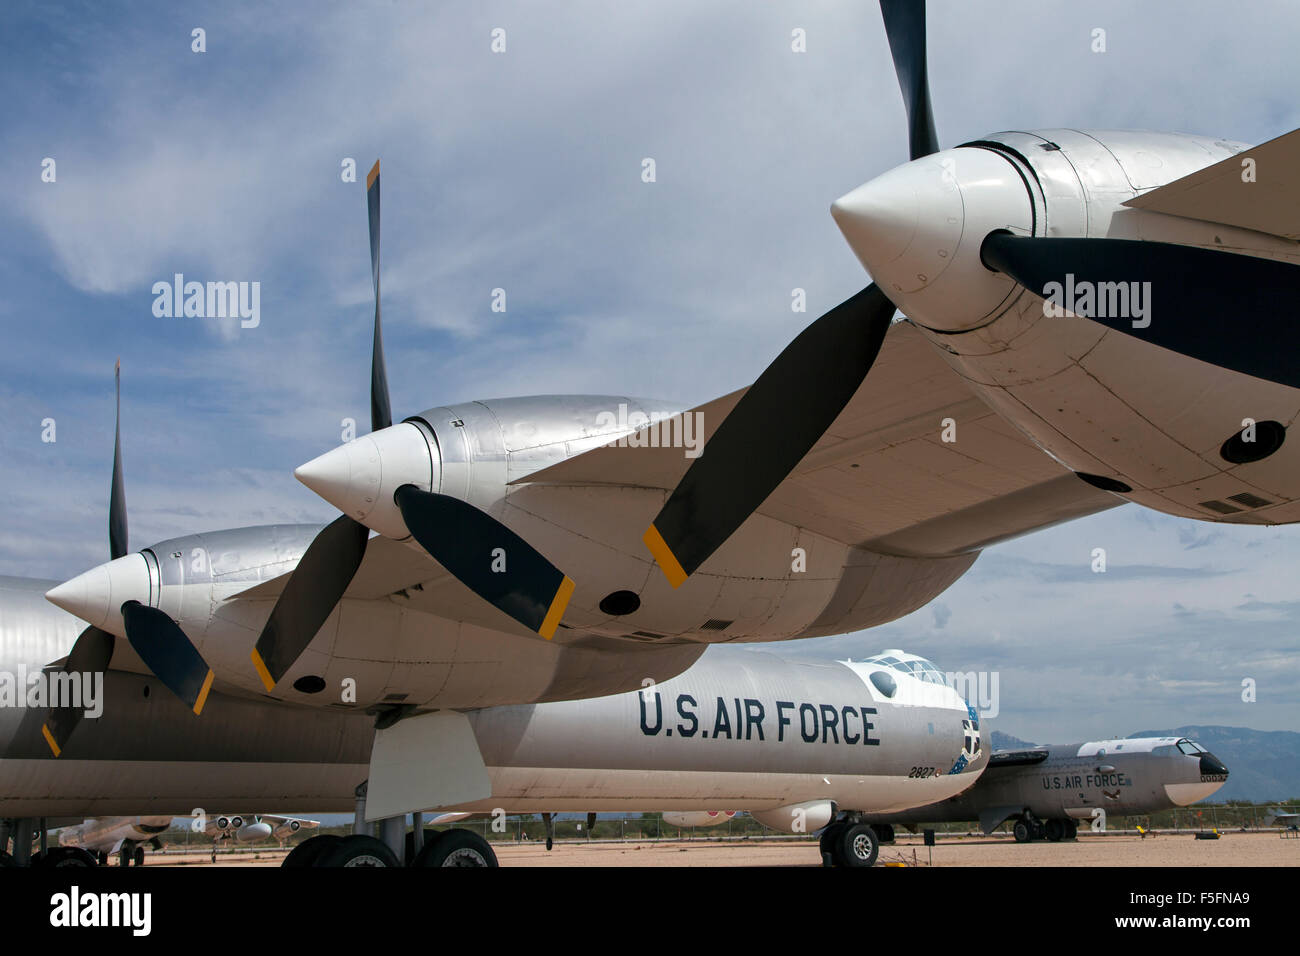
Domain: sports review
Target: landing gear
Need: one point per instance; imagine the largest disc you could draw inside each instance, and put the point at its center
(1027, 829)
(457, 848)
(124, 857)
(859, 846)
(101, 858)
(358, 850)
(1071, 829)
(829, 843)
(850, 844)
(884, 831)
(138, 856)
(1055, 830)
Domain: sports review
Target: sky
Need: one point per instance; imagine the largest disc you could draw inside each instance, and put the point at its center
(521, 170)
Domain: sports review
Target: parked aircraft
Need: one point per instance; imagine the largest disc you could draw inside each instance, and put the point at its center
(508, 564)
(1048, 790)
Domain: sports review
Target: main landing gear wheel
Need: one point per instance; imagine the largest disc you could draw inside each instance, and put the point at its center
(138, 856)
(1071, 830)
(309, 851)
(102, 858)
(1022, 832)
(73, 856)
(859, 846)
(829, 844)
(1055, 830)
(358, 850)
(457, 848)
(124, 858)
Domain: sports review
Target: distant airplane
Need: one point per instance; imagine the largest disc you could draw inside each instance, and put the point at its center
(96, 840)
(1048, 790)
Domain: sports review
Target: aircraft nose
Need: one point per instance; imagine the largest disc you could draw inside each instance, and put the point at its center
(904, 225)
(359, 478)
(97, 595)
(1212, 766)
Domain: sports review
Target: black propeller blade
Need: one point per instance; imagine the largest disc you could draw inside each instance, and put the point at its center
(117, 535)
(488, 558)
(381, 414)
(313, 589)
(905, 27)
(769, 431)
(167, 651)
(90, 654)
(1224, 308)
(161, 642)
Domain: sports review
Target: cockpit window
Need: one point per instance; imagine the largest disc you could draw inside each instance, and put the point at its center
(917, 667)
(1190, 746)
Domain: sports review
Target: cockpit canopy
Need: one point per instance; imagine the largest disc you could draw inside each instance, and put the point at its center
(1188, 746)
(910, 664)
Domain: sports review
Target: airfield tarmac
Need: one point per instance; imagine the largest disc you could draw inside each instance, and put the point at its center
(1181, 850)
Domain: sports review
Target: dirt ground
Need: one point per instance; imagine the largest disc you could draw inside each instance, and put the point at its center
(1182, 850)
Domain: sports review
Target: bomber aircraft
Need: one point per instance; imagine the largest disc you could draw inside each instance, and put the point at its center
(1062, 352)
(1048, 790)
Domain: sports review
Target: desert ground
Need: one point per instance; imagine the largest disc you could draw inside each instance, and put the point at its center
(1165, 849)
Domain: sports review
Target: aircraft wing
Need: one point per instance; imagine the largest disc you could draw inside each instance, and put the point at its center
(882, 477)
(1266, 200)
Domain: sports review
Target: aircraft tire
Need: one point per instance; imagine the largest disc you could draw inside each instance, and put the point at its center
(102, 858)
(430, 835)
(829, 843)
(6, 860)
(457, 848)
(358, 850)
(1022, 832)
(859, 846)
(67, 856)
(309, 851)
(1054, 830)
(1071, 829)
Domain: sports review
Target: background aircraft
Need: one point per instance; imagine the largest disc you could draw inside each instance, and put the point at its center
(1048, 790)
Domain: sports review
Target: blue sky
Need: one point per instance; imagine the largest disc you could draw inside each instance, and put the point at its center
(522, 171)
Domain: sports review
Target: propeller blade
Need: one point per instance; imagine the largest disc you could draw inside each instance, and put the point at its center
(905, 27)
(310, 595)
(769, 431)
(381, 413)
(1224, 308)
(90, 654)
(168, 653)
(117, 536)
(488, 558)
(329, 564)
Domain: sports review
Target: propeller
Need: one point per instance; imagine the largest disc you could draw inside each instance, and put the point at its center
(905, 27)
(487, 557)
(330, 562)
(803, 391)
(769, 431)
(160, 642)
(1194, 291)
